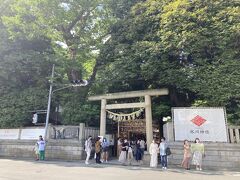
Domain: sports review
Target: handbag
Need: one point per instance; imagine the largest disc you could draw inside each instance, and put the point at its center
(168, 151)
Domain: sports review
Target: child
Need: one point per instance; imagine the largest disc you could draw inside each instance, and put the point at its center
(36, 151)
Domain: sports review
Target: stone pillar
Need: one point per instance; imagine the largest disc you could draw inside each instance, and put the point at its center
(19, 133)
(148, 113)
(237, 135)
(81, 133)
(168, 131)
(231, 136)
(103, 118)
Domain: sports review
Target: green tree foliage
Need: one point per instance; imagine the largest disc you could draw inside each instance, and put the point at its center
(210, 31)
(40, 33)
(23, 84)
(146, 46)
(78, 26)
(15, 106)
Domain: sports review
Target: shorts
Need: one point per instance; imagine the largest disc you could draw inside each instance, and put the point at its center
(105, 149)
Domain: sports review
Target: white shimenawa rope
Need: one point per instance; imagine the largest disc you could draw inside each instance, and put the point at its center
(124, 117)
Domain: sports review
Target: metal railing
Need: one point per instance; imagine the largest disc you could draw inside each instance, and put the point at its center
(72, 132)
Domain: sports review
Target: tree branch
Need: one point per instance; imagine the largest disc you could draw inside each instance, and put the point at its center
(80, 17)
(93, 75)
(75, 21)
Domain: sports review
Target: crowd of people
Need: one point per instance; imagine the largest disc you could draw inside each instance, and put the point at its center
(130, 150)
(195, 151)
(102, 147)
(133, 151)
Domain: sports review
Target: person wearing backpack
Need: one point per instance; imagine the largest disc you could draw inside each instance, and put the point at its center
(88, 148)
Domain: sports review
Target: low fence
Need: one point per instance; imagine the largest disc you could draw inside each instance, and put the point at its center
(30, 133)
(81, 132)
(78, 133)
(72, 132)
(91, 131)
(63, 132)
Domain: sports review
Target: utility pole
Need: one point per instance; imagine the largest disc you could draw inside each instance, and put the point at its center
(51, 91)
(49, 102)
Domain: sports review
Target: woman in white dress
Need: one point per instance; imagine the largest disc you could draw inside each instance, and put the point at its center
(119, 146)
(123, 154)
(153, 150)
(129, 154)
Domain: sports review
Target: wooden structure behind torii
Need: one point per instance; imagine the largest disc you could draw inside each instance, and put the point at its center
(131, 94)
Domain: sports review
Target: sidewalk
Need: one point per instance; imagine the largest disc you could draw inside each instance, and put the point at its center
(12, 169)
(115, 162)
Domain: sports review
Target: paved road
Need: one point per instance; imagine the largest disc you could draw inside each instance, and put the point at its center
(55, 170)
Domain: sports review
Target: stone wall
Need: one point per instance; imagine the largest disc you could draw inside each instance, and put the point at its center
(63, 142)
(218, 155)
(55, 149)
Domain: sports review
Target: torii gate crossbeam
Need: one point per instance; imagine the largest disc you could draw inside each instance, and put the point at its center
(122, 95)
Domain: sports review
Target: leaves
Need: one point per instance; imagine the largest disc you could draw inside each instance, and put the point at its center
(37, 34)
(147, 43)
(119, 45)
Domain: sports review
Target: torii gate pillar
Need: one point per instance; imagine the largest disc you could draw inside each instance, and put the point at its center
(103, 117)
(148, 114)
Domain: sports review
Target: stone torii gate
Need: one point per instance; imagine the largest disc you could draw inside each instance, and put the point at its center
(131, 94)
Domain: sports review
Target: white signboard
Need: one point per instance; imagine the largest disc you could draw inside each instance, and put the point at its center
(9, 133)
(32, 133)
(207, 124)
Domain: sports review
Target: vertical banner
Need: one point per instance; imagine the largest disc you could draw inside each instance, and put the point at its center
(207, 124)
